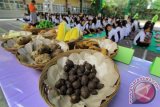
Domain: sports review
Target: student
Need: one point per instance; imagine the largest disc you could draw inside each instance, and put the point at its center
(135, 25)
(128, 25)
(124, 22)
(57, 20)
(119, 30)
(93, 25)
(141, 38)
(86, 28)
(99, 25)
(111, 33)
(104, 22)
(72, 23)
(79, 26)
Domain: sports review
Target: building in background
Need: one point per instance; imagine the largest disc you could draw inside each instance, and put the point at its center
(17, 8)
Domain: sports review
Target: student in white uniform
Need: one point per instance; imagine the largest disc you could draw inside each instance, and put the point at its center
(104, 22)
(124, 22)
(128, 25)
(141, 38)
(119, 30)
(135, 26)
(86, 28)
(111, 33)
(93, 26)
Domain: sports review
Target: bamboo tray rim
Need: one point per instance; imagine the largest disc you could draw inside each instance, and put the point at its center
(54, 61)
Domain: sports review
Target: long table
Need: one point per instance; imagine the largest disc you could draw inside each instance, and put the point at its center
(20, 84)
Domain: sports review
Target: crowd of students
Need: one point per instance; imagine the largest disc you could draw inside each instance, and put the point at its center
(116, 28)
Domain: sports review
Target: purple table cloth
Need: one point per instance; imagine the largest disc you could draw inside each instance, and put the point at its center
(20, 84)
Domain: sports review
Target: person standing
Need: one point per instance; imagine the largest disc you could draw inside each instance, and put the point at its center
(33, 14)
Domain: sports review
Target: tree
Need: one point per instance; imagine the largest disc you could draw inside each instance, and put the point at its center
(156, 5)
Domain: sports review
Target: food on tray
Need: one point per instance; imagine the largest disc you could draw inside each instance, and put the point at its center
(41, 50)
(23, 40)
(13, 34)
(105, 46)
(16, 43)
(42, 58)
(28, 26)
(48, 34)
(66, 34)
(80, 80)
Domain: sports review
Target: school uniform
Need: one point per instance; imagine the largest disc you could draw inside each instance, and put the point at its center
(104, 23)
(128, 25)
(120, 33)
(87, 28)
(110, 21)
(140, 38)
(98, 24)
(53, 19)
(93, 26)
(79, 27)
(72, 25)
(112, 35)
(135, 26)
(56, 21)
(125, 31)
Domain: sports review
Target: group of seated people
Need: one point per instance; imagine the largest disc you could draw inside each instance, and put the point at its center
(116, 28)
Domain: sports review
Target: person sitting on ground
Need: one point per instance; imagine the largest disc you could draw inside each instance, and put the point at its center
(124, 22)
(111, 33)
(128, 25)
(86, 28)
(94, 21)
(119, 30)
(141, 38)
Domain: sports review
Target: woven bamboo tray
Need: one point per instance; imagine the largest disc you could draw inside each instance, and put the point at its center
(35, 66)
(4, 39)
(35, 31)
(44, 88)
(111, 55)
(12, 50)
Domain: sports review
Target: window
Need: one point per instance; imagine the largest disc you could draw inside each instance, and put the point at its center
(1, 5)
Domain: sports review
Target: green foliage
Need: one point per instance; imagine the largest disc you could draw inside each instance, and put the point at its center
(156, 5)
(121, 7)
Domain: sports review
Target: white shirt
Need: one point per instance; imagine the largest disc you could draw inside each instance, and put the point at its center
(104, 23)
(86, 26)
(119, 29)
(125, 31)
(98, 24)
(110, 21)
(141, 35)
(56, 21)
(53, 19)
(128, 25)
(112, 33)
(79, 27)
(135, 23)
(93, 26)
